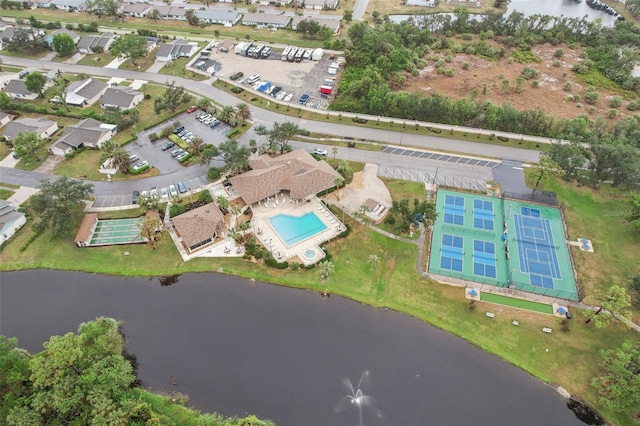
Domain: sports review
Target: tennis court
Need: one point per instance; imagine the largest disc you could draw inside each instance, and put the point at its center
(503, 243)
(116, 231)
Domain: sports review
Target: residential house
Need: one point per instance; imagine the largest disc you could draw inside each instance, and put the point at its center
(87, 133)
(16, 89)
(91, 43)
(266, 20)
(136, 10)
(332, 23)
(297, 172)
(228, 18)
(5, 118)
(199, 227)
(177, 49)
(85, 92)
(68, 5)
(8, 33)
(313, 4)
(121, 97)
(43, 4)
(152, 43)
(10, 220)
(49, 38)
(171, 12)
(43, 127)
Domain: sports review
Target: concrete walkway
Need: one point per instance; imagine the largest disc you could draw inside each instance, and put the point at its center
(50, 164)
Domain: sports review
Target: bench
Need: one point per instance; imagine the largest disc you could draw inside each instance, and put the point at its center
(516, 323)
(490, 314)
(546, 330)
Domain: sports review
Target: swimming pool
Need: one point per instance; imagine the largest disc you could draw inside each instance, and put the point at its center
(293, 229)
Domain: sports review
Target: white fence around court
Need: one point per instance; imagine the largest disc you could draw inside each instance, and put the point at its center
(430, 179)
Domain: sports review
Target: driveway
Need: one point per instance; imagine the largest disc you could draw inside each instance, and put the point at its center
(75, 58)
(156, 67)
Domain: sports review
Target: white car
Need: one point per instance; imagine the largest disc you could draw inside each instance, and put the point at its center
(320, 151)
(253, 78)
(288, 97)
(154, 192)
(281, 95)
(173, 191)
(140, 165)
(164, 195)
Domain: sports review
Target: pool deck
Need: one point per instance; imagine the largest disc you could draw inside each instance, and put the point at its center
(270, 239)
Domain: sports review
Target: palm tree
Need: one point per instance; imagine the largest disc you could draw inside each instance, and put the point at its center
(334, 151)
(222, 202)
(119, 157)
(326, 268)
(235, 211)
(197, 144)
(204, 104)
(342, 167)
(227, 114)
(374, 261)
(337, 182)
(243, 112)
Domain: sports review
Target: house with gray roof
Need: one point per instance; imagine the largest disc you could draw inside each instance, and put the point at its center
(10, 220)
(121, 97)
(91, 43)
(177, 49)
(136, 10)
(171, 12)
(88, 133)
(199, 227)
(68, 5)
(85, 92)
(325, 20)
(49, 38)
(296, 172)
(228, 18)
(16, 89)
(5, 118)
(266, 20)
(43, 127)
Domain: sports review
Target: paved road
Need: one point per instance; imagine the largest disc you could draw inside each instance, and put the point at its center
(260, 116)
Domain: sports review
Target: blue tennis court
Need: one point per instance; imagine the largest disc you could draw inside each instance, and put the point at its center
(537, 252)
(483, 214)
(484, 258)
(451, 253)
(454, 210)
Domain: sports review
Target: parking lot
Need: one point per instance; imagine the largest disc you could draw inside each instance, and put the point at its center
(162, 160)
(294, 77)
(192, 186)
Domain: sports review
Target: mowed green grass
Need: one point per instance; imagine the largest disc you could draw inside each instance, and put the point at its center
(571, 361)
(543, 308)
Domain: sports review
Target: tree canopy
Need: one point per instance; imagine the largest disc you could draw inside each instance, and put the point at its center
(28, 145)
(279, 136)
(35, 82)
(615, 301)
(131, 46)
(63, 44)
(619, 382)
(58, 204)
(172, 98)
(104, 7)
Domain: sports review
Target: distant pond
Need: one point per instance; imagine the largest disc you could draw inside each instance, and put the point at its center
(237, 347)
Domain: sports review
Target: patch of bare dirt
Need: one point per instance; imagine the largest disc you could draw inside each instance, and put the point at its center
(485, 77)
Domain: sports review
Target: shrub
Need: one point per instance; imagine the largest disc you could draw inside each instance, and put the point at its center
(359, 120)
(233, 133)
(591, 96)
(535, 84)
(559, 53)
(140, 170)
(529, 73)
(616, 101)
(612, 113)
(176, 210)
(557, 64)
(567, 87)
(465, 66)
(185, 158)
(153, 137)
(580, 68)
(205, 196)
(214, 173)
(634, 105)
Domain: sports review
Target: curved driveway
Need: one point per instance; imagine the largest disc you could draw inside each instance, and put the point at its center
(261, 116)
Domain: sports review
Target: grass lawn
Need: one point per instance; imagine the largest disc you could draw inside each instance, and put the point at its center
(97, 59)
(32, 165)
(596, 215)
(571, 360)
(408, 126)
(178, 68)
(142, 64)
(86, 163)
(5, 193)
(517, 303)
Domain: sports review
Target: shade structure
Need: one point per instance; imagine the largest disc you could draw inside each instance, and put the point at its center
(473, 292)
(562, 310)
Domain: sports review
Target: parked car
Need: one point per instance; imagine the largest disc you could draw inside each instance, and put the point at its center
(154, 192)
(320, 151)
(281, 95)
(214, 123)
(140, 165)
(177, 152)
(167, 146)
(144, 194)
(164, 194)
(181, 188)
(275, 91)
(173, 191)
(303, 99)
(182, 155)
(133, 158)
(253, 78)
(192, 109)
(178, 129)
(134, 197)
(288, 97)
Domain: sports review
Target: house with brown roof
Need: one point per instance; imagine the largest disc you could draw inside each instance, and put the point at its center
(43, 127)
(199, 227)
(297, 172)
(88, 225)
(87, 133)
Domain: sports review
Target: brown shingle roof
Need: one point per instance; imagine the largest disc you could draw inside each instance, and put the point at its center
(86, 227)
(198, 225)
(296, 171)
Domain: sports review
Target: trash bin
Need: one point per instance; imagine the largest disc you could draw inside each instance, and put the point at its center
(568, 315)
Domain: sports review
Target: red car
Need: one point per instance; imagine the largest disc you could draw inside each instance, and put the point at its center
(192, 109)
